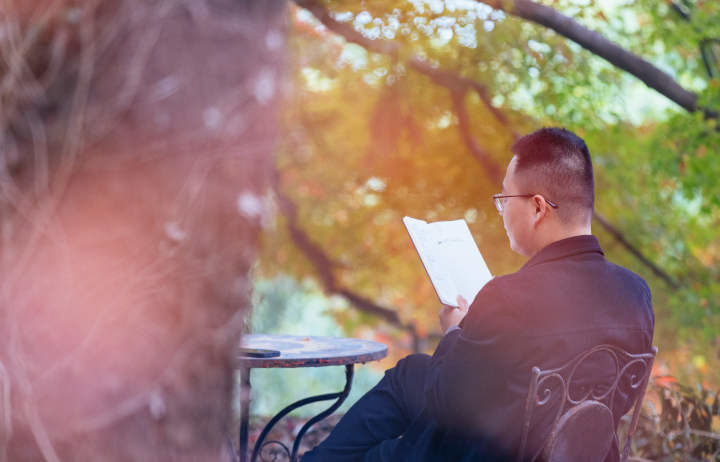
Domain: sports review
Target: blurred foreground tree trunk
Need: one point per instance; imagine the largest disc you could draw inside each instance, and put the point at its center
(135, 142)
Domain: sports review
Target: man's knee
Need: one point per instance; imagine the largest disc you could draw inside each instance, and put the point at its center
(415, 364)
(407, 380)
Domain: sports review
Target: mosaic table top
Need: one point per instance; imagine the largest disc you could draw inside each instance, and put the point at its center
(310, 351)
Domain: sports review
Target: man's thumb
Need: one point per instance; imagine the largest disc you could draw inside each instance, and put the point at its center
(463, 304)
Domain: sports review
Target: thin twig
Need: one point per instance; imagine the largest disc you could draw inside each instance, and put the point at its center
(715, 436)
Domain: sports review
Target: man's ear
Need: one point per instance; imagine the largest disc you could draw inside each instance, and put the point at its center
(541, 209)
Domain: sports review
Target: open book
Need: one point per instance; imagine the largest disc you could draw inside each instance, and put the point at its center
(451, 258)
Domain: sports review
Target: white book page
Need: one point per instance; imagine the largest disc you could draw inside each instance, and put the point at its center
(426, 243)
(451, 258)
(460, 258)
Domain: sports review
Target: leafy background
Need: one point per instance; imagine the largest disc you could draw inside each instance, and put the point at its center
(369, 139)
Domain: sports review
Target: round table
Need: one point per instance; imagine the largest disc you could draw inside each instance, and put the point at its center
(300, 351)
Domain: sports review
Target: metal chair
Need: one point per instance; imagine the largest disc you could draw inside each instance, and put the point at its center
(578, 416)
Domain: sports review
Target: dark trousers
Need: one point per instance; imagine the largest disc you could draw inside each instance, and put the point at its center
(370, 430)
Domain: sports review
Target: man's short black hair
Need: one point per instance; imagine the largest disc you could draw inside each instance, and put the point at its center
(556, 163)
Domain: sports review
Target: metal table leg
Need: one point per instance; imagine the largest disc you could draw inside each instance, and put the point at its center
(244, 413)
(340, 397)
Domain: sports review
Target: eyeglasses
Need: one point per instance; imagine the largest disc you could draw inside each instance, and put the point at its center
(498, 198)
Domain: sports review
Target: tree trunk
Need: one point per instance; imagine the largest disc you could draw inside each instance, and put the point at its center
(137, 142)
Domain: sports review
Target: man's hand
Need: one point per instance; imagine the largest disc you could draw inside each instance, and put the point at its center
(451, 316)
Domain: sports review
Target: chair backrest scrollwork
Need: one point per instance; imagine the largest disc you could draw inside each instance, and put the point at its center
(555, 391)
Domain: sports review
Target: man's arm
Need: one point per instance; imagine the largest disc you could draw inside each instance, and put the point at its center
(468, 367)
(451, 316)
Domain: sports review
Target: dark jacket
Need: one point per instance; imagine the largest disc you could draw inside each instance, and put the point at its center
(563, 301)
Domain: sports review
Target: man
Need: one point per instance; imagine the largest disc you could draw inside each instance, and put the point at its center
(465, 403)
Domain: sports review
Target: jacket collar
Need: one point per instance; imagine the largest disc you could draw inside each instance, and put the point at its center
(565, 248)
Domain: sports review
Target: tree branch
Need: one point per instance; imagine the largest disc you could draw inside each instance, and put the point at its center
(491, 168)
(346, 30)
(592, 41)
(458, 87)
(597, 44)
(324, 265)
(493, 172)
(633, 250)
(449, 79)
(705, 45)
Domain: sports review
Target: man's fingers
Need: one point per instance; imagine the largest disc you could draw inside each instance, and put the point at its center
(463, 304)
